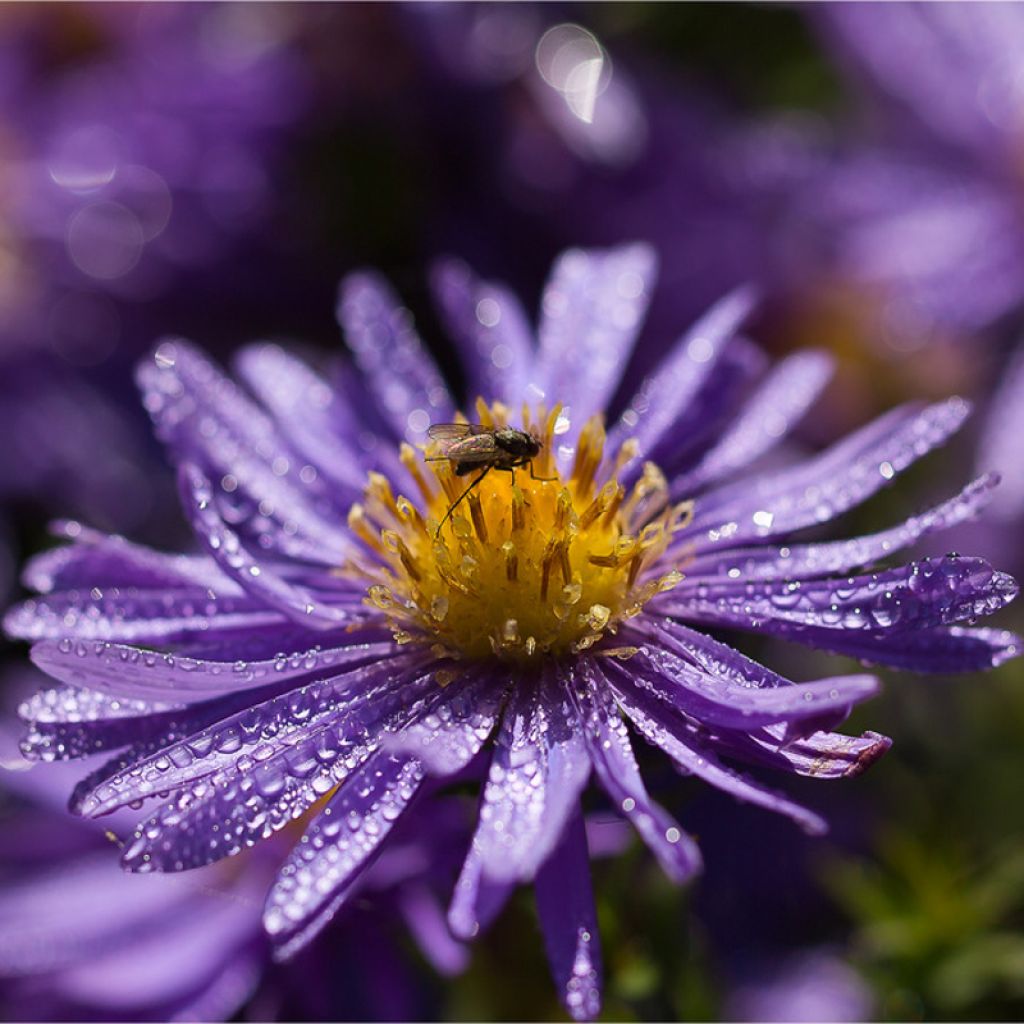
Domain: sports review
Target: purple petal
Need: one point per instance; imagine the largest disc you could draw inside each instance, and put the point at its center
(822, 755)
(477, 899)
(309, 412)
(612, 755)
(539, 767)
(336, 848)
(695, 756)
(827, 485)
(289, 724)
(778, 405)
(447, 738)
(203, 416)
(921, 595)
(255, 576)
(715, 700)
(568, 920)
(130, 615)
(490, 331)
(593, 307)
(799, 561)
(1004, 427)
(399, 372)
(132, 672)
(425, 919)
(954, 649)
(665, 397)
(98, 560)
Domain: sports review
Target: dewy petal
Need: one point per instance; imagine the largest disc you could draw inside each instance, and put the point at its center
(790, 390)
(592, 309)
(203, 416)
(801, 561)
(132, 672)
(284, 725)
(450, 734)
(146, 616)
(490, 330)
(716, 701)
(94, 559)
(336, 848)
(309, 412)
(696, 756)
(568, 920)
(825, 486)
(615, 764)
(666, 396)
(407, 386)
(477, 899)
(255, 576)
(942, 650)
(921, 595)
(539, 767)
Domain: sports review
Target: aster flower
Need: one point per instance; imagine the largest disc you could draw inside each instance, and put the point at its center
(338, 641)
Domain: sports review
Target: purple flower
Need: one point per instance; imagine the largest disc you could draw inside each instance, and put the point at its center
(926, 208)
(339, 641)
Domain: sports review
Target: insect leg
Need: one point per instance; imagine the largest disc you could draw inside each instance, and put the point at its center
(541, 479)
(458, 500)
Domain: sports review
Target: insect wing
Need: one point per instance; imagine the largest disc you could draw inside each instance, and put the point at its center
(449, 431)
(478, 448)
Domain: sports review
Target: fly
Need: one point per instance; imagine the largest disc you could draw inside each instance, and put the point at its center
(472, 446)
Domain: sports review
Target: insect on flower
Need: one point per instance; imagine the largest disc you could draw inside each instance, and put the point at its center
(472, 446)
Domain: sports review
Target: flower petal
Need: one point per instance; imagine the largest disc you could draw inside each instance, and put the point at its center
(133, 672)
(100, 560)
(539, 767)
(612, 756)
(336, 849)
(490, 330)
(593, 306)
(256, 577)
(696, 756)
(667, 395)
(568, 920)
(921, 595)
(308, 411)
(286, 728)
(780, 402)
(447, 738)
(800, 561)
(203, 416)
(825, 486)
(397, 369)
(477, 899)
(146, 616)
(822, 755)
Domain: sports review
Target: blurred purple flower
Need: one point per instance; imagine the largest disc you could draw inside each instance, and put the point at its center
(307, 661)
(816, 987)
(927, 207)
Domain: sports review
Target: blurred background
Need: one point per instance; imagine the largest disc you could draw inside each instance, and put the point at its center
(213, 170)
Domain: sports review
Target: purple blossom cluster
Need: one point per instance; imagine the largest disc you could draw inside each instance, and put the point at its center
(302, 668)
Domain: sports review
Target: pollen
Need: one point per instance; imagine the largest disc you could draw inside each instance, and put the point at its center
(525, 564)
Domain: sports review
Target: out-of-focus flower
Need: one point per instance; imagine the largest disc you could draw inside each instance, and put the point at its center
(301, 660)
(816, 986)
(926, 209)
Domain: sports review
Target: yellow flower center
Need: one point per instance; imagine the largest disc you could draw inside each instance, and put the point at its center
(528, 564)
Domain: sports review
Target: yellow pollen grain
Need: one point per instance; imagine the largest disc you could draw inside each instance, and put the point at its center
(528, 565)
